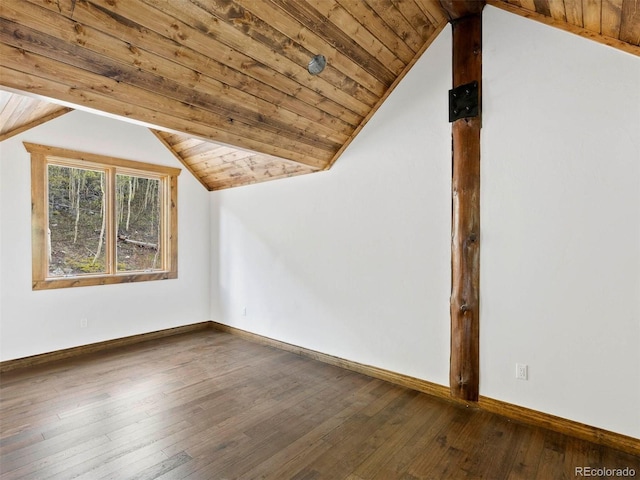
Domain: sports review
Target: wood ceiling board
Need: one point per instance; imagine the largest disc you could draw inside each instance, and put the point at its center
(236, 73)
(630, 23)
(259, 52)
(203, 149)
(84, 91)
(19, 113)
(416, 17)
(258, 175)
(603, 20)
(162, 137)
(218, 166)
(180, 143)
(573, 12)
(271, 22)
(233, 157)
(311, 43)
(433, 10)
(611, 18)
(230, 71)
(119, 71)
(348, 35)
(592, 15)
(393, 17)
(379, 28)
(160, 81)
(557, 9)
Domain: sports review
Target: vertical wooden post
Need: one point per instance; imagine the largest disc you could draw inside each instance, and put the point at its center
(466, 21)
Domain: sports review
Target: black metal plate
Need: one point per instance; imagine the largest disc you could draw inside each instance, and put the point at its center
(463, 102)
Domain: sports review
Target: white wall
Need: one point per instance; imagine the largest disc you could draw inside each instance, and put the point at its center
(355, 262)
(560, 278)
(41, 321)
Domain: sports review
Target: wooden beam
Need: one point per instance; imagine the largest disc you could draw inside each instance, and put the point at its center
(456, 9)
(466, 21)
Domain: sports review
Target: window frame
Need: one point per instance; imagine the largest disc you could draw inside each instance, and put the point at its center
(41, 157)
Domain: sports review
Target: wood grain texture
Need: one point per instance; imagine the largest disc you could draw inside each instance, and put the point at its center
(457, 9)
(591, 15)
(630, 22)
(218, 167)
(233, 72)
(209, 405)
(515, 412)
(38, 215)
(615, 23)
(464, 371)
(19, 113)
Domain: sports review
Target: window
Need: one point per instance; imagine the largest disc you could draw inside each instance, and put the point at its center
(99, 220)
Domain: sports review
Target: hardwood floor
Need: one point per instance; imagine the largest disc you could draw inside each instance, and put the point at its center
(209, 405)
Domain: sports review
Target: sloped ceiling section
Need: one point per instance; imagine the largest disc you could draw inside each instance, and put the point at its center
(612, 22)
(19, 113)
(215, 166)
(234, 72)
(218, 166)
(231, 71)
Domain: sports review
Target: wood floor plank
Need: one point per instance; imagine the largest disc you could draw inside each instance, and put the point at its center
(89, 460)
(289, 462)
(210, 405)
(389, 458)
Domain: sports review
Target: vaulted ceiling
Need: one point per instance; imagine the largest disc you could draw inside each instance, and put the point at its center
(234, 72)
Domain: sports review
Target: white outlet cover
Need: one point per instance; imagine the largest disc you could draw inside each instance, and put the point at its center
(522, 371)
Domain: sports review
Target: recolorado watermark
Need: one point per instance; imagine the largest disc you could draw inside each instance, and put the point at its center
(605, 472)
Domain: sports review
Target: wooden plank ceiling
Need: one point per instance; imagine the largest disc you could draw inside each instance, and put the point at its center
(220, 166)
(230, 71)
(19, 113)
(613, 22)
(234, 72)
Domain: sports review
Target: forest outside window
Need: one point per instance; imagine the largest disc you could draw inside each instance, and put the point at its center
(100, 220)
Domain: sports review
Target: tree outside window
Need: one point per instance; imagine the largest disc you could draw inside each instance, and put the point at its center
(100, 220)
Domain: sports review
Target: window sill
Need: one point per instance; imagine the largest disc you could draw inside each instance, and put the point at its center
(90, 280)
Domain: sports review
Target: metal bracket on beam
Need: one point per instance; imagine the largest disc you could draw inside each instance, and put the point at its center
(463, 102)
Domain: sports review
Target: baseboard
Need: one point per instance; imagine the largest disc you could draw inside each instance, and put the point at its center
(514, 412)
(561, 425)
(375, 372)
(67, 353)
(508, 410)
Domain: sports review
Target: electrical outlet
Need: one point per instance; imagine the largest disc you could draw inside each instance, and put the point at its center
(522, 371)
(83, 323)
(244, 311)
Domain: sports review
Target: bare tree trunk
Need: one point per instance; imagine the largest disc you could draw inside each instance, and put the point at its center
(77, 173)
(104, 221)
(120, 200)
(155, 259)
(129, 203)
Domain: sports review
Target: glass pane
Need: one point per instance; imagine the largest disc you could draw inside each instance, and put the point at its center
(76, 221)
(138, 214)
